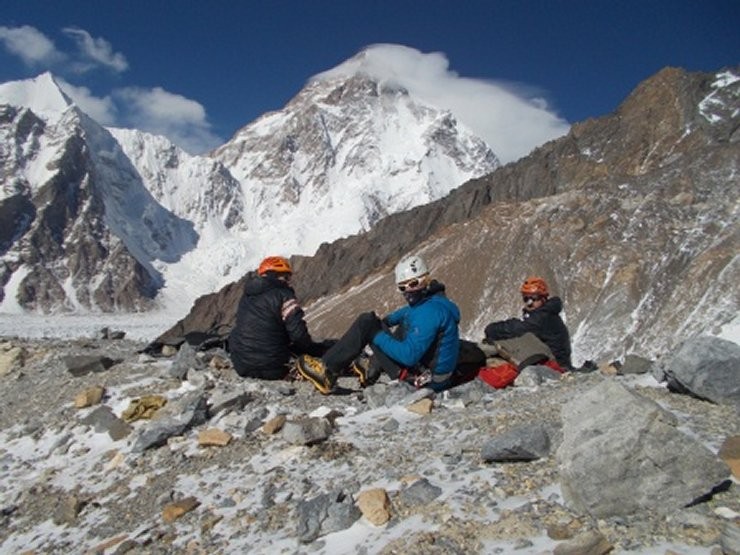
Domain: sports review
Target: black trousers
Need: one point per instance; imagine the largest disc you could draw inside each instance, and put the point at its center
(353, 342)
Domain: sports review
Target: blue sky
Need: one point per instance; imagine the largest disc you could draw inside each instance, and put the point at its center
(202, 70)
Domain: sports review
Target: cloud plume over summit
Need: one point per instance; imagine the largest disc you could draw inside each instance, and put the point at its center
(512, 118)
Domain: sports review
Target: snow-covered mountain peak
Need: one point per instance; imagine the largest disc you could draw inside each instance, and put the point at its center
(390, 64)
(42, 95)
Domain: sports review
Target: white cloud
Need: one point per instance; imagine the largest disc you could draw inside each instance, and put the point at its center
(30, 45)
(160, 112)
(102, 110)
(95, 51)
(512, 119)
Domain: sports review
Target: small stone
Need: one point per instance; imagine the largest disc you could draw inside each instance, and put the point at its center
(219, 363)
(730, 454)
(274, 425)
(89, 397)
(67, 510)
(169, 351)
(588, 543)
(173, 511)
(101, 547)
(11, 358)
(214, 436)
(423, 406)
(374, 505)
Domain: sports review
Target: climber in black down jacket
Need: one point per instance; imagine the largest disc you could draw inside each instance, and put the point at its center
(540, 316)
(270, 329)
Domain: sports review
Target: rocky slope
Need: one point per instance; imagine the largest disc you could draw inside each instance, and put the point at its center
(632, 218)
(230, 465)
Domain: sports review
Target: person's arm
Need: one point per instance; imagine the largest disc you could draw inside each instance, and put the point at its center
(292, 315)
(419, 337)
(514, 327)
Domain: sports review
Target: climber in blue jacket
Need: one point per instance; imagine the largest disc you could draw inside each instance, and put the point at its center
(419, 341)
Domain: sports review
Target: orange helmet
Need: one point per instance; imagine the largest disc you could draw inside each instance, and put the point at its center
(535, 286)
(275, 264)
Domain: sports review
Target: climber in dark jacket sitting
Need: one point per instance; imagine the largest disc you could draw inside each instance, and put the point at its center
(270, 329)
(540, 316)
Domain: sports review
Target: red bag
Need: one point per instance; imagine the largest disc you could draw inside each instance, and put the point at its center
(554, 365)
(498, 376)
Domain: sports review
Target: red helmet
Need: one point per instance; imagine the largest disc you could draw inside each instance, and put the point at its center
(535, 286)
(275, 264)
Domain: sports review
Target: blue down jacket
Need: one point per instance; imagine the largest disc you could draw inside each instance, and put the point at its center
(431, 336)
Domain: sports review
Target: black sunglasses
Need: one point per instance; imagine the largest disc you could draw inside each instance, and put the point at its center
(412, 284)
(530, 300)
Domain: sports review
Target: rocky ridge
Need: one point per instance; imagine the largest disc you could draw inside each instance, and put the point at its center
(227, 464)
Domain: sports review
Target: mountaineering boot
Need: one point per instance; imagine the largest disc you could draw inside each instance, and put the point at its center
(366, 369)
(314, 370)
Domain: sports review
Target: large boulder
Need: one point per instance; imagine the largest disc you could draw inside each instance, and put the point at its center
(622, 454)
(705, 367)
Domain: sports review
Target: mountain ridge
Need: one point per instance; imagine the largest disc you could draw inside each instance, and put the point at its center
(263, 192)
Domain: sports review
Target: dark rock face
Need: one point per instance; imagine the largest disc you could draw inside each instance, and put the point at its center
(632, 219)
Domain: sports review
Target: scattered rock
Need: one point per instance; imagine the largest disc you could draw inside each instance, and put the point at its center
(81, 365)
(420, 492)
(144, 407)
(730, 539)
(214, 436)
(705, 367)
(621, 454)
(525, 443)
(274, 425)
(67, 510)
(532, 376)
(588, 543)
(103, 420)
(730, 453)
(306, 431)
(424, 406)
(89, 397)
(634, 364)
(223, 400)
(375, 505)
(324, 514)
(11, 358)
(173, 511)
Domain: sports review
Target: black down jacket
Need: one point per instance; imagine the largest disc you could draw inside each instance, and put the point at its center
(545, 323)
(269, 329)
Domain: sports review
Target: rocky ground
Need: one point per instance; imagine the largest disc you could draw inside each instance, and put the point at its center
(230, 465)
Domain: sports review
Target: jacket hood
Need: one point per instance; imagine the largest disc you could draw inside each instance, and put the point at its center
(553, 305)
(256, 285)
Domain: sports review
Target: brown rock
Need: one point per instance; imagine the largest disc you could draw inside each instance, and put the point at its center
(730, 453)
(89, 397)
(67, 510)
(219, 363)
(101, 547)
(173, 511)
(588, 543)
(608, 369)
(11, 358)
(214, 436)
(375, 505)
(169, 351)
(274, 425)
(424, 406)
(145, 407)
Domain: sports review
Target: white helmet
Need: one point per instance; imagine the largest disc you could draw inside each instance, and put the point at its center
(410, 268)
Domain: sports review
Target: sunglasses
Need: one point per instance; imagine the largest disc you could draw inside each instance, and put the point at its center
(411, 284)
(530, 300)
